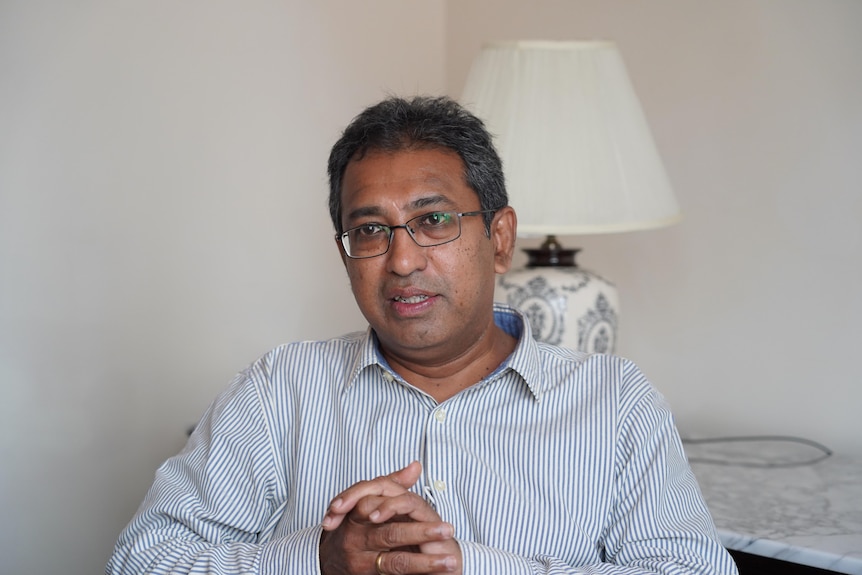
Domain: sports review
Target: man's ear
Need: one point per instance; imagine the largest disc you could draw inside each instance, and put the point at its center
(504, 227)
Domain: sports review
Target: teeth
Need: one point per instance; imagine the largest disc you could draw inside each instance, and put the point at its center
(412, 299)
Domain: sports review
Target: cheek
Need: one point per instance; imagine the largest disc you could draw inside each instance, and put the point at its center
(470, 270)
(355, 277)
(473, 259)
(352, 273)
(361, 282)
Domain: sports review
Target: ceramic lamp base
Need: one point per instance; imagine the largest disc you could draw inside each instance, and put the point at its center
(565, 305)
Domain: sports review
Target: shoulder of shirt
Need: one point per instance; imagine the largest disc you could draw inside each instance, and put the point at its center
(332, 358)
(344, 347)
(545, 367)
(334, 343)
(596, 375)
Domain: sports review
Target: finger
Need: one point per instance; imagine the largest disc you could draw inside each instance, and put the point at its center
(345, 502)
(387, 485)
(403, 562)
(443, 547)
(401, 534)
(390, 485)
(407, 476)
(408, 505)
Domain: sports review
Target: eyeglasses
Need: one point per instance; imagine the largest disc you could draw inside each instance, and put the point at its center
(431, 229)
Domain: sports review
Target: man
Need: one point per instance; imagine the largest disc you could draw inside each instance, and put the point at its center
(444, 439)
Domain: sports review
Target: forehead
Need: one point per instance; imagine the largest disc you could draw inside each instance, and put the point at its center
(383, 182)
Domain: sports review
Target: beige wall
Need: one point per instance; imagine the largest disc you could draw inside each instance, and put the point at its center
(747, 315)
(162, 223)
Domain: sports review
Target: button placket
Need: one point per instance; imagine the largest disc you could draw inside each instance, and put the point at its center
(437, 467)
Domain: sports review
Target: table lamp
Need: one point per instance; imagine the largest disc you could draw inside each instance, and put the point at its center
(579, 159)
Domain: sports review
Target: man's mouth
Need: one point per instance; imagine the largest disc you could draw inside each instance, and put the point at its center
(411, 299)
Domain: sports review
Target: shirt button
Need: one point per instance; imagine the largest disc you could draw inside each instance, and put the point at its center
(388, 377)
(440, 485)
(440, 415)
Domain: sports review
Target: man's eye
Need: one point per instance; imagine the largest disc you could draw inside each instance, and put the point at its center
(436, 219)
(370, 230)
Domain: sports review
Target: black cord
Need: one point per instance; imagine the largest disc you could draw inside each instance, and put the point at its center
(825, 452)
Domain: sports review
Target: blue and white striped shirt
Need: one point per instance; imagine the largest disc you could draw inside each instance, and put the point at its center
(558, 462)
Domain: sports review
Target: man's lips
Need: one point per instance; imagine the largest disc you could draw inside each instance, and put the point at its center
(409, 294)
(411, 301)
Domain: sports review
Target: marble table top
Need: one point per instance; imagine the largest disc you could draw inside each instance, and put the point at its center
(783, 499)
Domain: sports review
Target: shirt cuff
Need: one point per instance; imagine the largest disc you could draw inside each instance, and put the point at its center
(477, 558)
(298, 552)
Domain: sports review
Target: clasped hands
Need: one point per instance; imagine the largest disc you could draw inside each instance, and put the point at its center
(379, 527)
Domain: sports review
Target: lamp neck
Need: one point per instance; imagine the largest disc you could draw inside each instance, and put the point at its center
(551, 254)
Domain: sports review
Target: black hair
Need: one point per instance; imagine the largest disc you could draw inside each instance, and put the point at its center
(422, 122)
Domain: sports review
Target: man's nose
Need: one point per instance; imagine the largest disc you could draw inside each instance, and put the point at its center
(405, 255)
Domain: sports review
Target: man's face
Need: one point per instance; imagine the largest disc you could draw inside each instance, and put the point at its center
(434, 303)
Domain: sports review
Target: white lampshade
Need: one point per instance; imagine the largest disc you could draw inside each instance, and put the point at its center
(578, 155)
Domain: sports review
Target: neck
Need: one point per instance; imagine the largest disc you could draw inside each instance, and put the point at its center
(444, 378)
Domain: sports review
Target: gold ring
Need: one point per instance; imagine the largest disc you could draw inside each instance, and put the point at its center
(377, 566)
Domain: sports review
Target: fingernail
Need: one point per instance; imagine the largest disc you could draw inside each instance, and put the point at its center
(449, 563)
(374, 515)
(327, 521)
(336, 503)
(444, 530)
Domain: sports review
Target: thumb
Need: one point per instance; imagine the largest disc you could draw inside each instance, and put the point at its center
(407, 476)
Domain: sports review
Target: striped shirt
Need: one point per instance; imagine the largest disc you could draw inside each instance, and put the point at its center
(557, 462)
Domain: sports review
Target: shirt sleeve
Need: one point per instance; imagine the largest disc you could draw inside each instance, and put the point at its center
(659, 523)
(213, 507)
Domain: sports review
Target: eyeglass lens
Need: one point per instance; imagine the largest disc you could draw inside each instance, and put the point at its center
(427, 230)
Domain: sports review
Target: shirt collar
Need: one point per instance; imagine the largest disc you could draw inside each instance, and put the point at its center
(524, 360)
(367, 355)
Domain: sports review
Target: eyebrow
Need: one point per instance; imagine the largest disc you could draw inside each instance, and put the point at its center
(429, 201)
(435, 200)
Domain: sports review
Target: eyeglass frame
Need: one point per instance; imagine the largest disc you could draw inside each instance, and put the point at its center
(341, 238)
